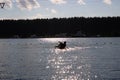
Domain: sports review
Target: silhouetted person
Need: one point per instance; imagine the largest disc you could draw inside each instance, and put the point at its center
(61, 45)
(2, 5)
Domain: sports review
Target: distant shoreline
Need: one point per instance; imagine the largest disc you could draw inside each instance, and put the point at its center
(61, 27)
(59, 37)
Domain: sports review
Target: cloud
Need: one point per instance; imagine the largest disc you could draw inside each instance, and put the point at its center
(109, 2)
(81, 2)
(53, 11)
(58, 1)
(28, 4)
(37, 16)
(47, 9)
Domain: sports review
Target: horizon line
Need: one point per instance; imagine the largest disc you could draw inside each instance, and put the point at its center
(61, 17)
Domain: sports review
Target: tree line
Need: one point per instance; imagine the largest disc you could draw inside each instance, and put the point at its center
(70, 27)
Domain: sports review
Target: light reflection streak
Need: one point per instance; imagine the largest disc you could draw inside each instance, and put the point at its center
(54, 39)
(66, 66)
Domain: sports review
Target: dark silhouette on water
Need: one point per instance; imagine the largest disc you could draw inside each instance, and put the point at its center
(2, 5)
(61, 45)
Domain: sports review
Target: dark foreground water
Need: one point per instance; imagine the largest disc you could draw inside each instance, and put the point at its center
(37, 59)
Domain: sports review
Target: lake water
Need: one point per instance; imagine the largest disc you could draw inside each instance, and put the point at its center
(37, 59)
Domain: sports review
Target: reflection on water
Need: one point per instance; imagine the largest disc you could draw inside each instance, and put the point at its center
(68, 67)
(37, 59)
(54, 39)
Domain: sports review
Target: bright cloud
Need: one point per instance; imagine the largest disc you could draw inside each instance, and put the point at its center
(109, 2)
(28, 4)
(22, 4)
(53, 11)
(37, 16)
(58, 1)
(81, 2)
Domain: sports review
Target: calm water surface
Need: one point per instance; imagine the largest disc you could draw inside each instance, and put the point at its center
(37, 59)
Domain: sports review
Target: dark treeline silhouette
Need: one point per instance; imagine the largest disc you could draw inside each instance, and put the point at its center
(61, 27)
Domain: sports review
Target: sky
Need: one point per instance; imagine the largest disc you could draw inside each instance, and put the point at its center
(32, 9)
